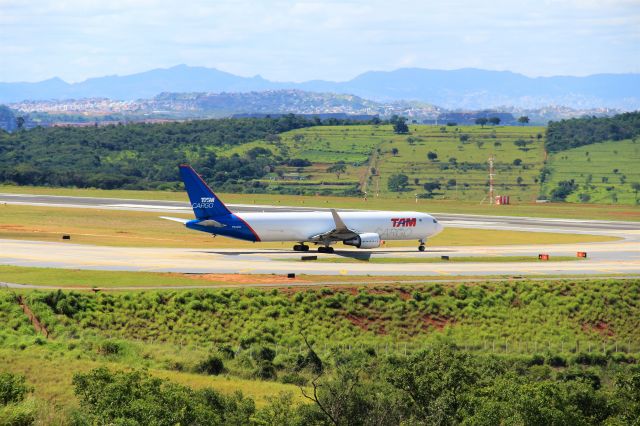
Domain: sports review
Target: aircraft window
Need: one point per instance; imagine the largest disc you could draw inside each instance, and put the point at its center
(435, 221)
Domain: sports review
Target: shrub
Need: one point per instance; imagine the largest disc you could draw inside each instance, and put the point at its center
(12, 388)
(213, 366)
(293, 379)
(265, 371)
(22, 414)
(109, 348)
(556, 361)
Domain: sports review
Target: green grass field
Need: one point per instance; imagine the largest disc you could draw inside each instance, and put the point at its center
(559, 210)
(605, 172)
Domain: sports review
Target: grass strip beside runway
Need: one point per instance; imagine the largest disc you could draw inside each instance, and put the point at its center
(144, 229)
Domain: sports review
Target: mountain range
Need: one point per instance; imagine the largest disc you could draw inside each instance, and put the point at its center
(466, 88)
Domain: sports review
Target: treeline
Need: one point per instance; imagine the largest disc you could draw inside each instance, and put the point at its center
(442, 386)
(143, 156)
(567, 134)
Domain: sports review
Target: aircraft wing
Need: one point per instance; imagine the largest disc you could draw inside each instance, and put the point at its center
(339, 233)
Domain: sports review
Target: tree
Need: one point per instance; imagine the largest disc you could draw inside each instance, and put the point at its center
(394, 151)
(432, 155)
(481, 121)
(494, 120)
(397, 182)
(563, 190)
(522, 144)
(337, 168)
(464, 138)
(523, 120)
(636, 187)
(430, 187)
(20, 122)
(400, 126)
(437, 382)
(517, 162)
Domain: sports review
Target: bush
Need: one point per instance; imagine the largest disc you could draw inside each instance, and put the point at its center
(213, 366)
(128, 398)
(590, 359)
(12, 388)
(556, 361)
(22, 414)
(265, 371)
(109, 348)
(293, 379)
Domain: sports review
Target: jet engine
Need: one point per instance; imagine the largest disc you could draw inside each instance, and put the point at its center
(367, 240)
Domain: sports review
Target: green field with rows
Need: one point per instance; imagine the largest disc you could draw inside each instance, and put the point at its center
(607, 172)
(373, 153)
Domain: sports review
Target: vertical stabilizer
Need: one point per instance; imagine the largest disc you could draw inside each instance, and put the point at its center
(204, 202)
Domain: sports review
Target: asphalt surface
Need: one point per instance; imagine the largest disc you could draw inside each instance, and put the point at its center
(616, 257)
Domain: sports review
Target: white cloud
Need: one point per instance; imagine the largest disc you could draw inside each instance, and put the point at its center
(298, 40)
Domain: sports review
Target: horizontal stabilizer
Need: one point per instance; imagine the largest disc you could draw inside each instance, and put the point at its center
(175, 219)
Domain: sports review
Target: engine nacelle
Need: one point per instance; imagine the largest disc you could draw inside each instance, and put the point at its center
(367, 240)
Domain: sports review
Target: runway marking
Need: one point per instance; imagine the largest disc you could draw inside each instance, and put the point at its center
(442, 272)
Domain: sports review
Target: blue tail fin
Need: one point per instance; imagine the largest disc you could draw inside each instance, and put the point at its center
(204, 202)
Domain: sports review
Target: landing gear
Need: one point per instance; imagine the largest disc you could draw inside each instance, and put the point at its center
(421, 247)
(325, 249)
(300, 247)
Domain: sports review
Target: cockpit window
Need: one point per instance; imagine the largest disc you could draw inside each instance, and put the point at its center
(435, 221)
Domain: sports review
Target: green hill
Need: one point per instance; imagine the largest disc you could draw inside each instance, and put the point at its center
(368, 151)
(601, 172)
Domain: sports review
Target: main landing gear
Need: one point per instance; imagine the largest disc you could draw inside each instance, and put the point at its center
(325, 249)
(300, 247)
(421, 247)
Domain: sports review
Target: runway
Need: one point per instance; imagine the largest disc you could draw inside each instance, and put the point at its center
(616, 257)
(620, 257)
(448, 219)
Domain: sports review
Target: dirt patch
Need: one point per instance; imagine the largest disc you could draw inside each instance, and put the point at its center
(375, 325)
(242, 279)
(430, 322)
(600, 327)
(37, 325)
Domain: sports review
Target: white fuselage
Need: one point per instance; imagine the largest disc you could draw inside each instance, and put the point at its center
(301, 226)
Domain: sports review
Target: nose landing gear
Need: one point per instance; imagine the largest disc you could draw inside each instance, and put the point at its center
(421, 247)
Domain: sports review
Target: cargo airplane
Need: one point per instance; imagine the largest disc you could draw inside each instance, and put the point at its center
(360, 229)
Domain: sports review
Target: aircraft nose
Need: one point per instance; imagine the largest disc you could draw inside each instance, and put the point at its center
(439, 227)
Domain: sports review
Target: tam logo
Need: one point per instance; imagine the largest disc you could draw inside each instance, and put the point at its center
(205, 203)
(403, 222)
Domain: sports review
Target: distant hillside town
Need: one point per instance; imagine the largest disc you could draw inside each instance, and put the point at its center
(200, 105)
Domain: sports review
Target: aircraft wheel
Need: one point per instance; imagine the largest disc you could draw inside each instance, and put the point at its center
(329, 249)
(305, 247)
(297, 247)
(421, 247)
(325, 249)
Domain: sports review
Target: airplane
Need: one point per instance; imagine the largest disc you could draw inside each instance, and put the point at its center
(360, 229)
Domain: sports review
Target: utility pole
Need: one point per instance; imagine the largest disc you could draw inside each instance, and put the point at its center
(491, 175)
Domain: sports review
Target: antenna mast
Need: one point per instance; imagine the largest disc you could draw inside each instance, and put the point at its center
(491, 175)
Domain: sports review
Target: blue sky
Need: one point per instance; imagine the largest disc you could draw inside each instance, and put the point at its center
(303, 40)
